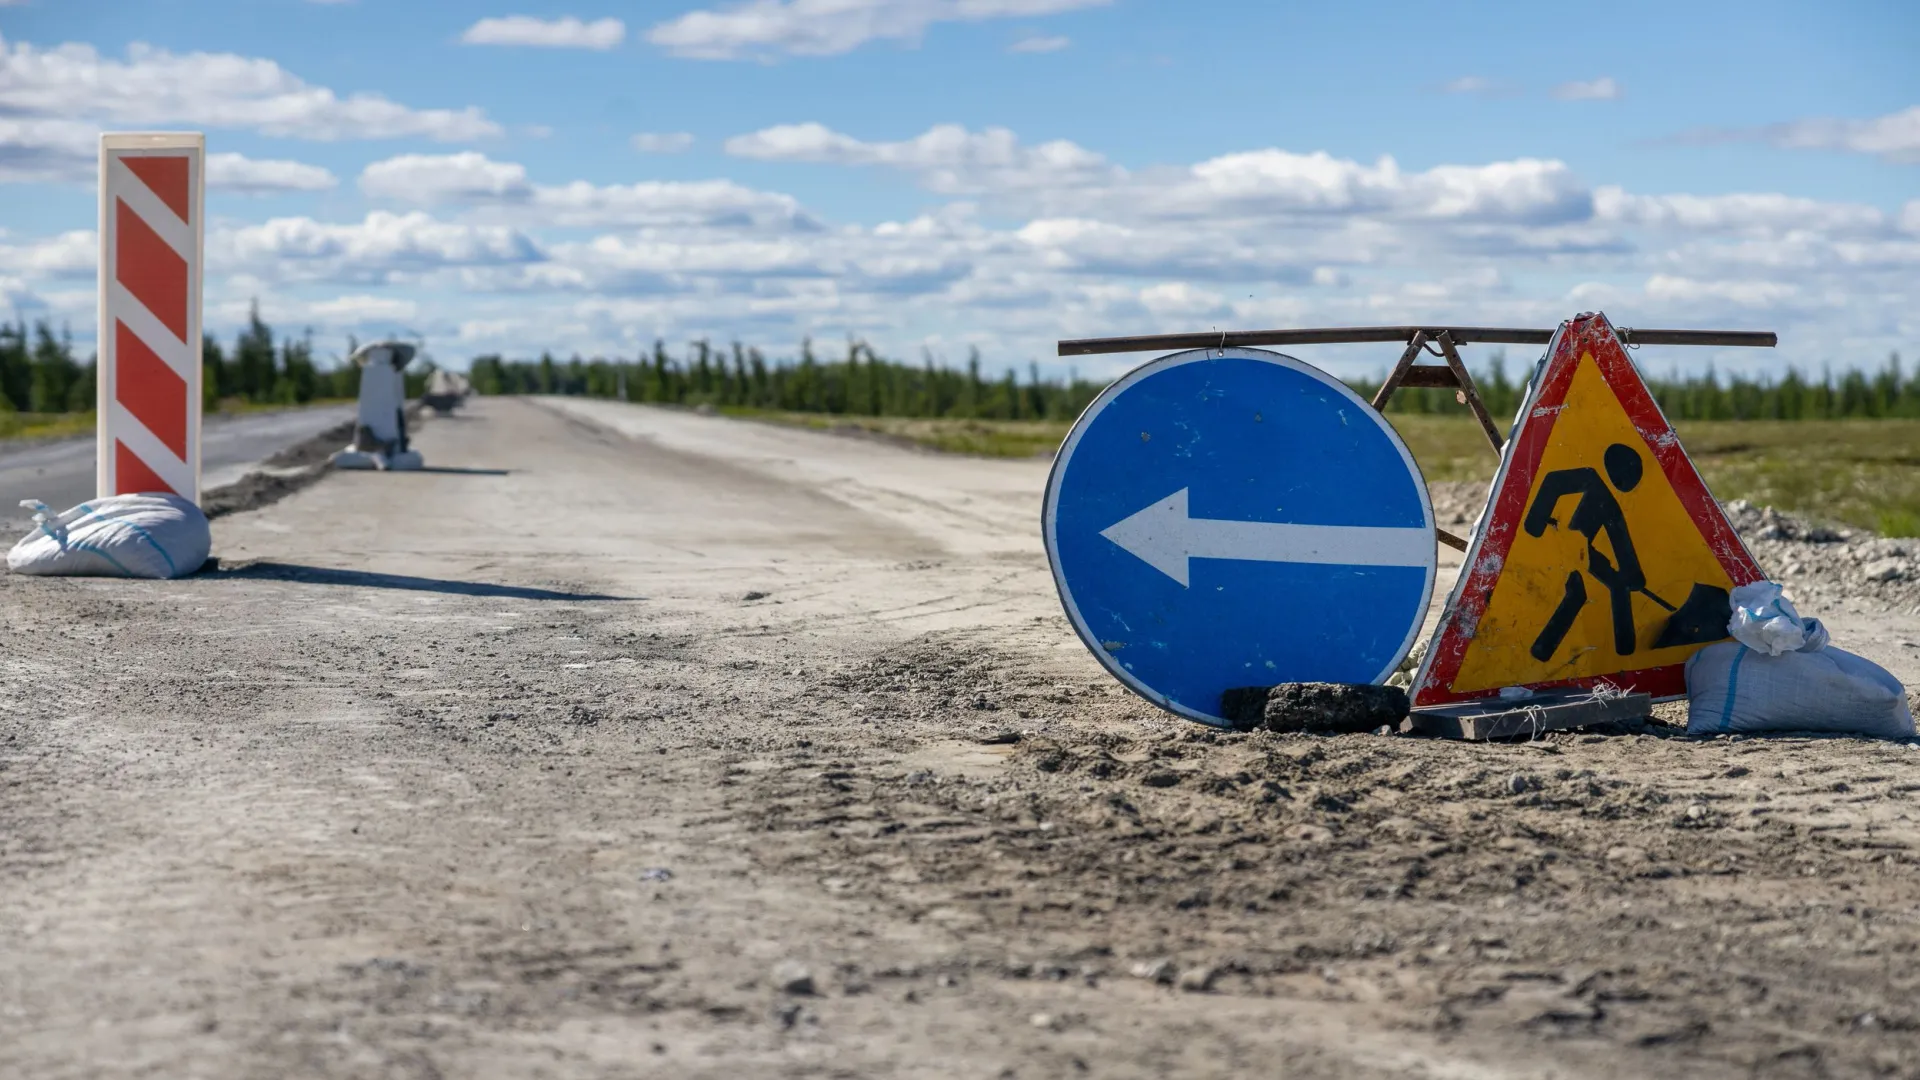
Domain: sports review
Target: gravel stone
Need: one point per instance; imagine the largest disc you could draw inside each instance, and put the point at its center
(1197, 980)
(792, 977)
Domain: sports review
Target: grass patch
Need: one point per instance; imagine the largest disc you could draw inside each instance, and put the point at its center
(19, 425)
(983, 438)
(22, 425)
(1864, 473)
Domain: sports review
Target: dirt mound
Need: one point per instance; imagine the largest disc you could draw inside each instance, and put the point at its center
(298, 466)
(1457, 503)
(1832, 565)
(313, 451)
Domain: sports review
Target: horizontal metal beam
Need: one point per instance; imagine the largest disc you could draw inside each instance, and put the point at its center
(1340, 335)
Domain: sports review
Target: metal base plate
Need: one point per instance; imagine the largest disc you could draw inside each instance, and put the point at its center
(405, 460)
(1494, 718)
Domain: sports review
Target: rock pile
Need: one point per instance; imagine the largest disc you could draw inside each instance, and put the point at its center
(1819, 562)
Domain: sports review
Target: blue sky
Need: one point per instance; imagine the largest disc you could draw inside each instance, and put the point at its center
(999, 173)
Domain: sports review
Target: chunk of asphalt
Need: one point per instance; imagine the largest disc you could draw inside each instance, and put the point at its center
(1313, 706)
(1245, 707)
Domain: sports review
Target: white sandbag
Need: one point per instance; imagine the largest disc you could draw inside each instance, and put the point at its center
(136, 536)
(1764, 619)
(1731, 688)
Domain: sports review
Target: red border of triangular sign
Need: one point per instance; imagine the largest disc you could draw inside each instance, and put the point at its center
(1527, 445)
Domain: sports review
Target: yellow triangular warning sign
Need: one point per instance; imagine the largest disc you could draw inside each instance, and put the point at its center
(1601, 558)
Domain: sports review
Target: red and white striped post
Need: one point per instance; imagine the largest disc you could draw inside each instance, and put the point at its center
(152, 242)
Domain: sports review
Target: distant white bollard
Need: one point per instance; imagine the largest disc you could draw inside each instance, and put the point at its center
(380, 435)
(445, 389)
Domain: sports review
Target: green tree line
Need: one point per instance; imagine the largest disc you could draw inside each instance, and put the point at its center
(39, 372)
(1888, 392)
(863, 383)
(860, 383)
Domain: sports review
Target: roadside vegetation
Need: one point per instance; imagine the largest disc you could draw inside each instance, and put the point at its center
(861, 383)
(1843, 448)
(1837, 447)
(46, 391)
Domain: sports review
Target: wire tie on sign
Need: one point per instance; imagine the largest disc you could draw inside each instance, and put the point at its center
(1626, 338)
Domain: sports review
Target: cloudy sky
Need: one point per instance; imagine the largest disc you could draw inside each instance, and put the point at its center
(999, 173)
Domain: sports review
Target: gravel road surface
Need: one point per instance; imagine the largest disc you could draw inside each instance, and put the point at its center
(637, 743)
(60, 473)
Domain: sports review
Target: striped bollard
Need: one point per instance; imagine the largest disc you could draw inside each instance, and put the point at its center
(152, 243)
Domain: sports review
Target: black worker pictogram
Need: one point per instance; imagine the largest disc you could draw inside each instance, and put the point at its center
(1702, 618)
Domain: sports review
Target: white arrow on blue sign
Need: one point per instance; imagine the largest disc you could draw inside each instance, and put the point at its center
(1228, 518)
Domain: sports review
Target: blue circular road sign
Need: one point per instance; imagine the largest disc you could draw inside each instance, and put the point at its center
(1234, 517)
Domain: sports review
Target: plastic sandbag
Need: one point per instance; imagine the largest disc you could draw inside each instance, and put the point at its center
(1779, 674)
(135, 536)
(1731, 688)
(1765, 620)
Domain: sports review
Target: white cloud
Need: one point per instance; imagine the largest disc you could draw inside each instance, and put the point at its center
(68, 151)
(1522, 190)
(502, 187)
(1753, 294)
(1477, 86)
(248, 176)
(361, 310)
(1895, 136)
(947, 157)
(221, 90)
(68, 255)
(1279, 179)
(48, 150)
(1181, 299)
(384, 247)
(568, 32)
(1279, 182)
(655, 142)
(1042, 245)
(829, 27)
(1039, 44)
(1601, 89)
(438, 178)
(708, 203)
(1762, 213)
(1061, 174)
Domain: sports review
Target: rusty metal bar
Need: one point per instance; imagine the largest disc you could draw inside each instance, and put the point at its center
(1461, 335)
(1469, 395)
(1408, 373)
(1400, 370)
(1762, 339)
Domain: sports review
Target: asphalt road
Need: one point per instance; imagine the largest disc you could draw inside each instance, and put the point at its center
(61, 473)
